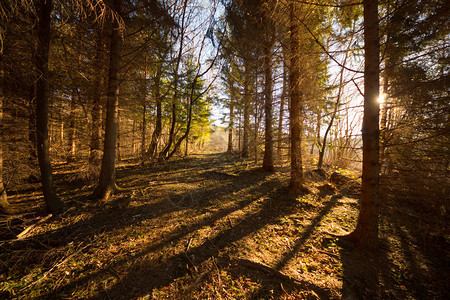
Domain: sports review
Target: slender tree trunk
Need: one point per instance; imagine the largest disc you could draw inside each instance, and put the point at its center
(189, 120)
(5, 207)
(256, 125)
(240, 132)
(230, 127)
(106, 185)
(163, 154)
(336, 107)
(296, 180)
(144, 112)
(366, 232)
(245, 144)
(71, 146)
(32, 138)
(144, 131)
(158, 126)
(268, 142)
(96, 111)
(118, 147)
(319, 125)
(52, 201)
(280, 120)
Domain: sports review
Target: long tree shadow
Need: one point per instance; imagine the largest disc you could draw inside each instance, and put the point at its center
(401, 268)
(299, 243)
(150, 274)
(234, 186)
(112, 217)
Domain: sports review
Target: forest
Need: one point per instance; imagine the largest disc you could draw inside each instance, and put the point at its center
(224, 149)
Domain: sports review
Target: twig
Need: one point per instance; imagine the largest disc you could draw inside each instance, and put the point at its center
(29, 228)
(329, 253)
(229, 220)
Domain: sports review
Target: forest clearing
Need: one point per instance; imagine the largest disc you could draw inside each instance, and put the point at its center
(224, 149)
(215, 227)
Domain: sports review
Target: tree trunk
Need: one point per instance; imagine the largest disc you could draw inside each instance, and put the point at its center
(52, 201)
(32, 142)
(158, 126)
(163, 153)
(96, 111)
(296, 106)
(280, 120)
(240, 132)
(189, 120)
(106, 185)
(268, 142)
(245, 144)
(319, 125)
(5, 207)
(144, 131)
(118, 149)
(230, 127)
(365, 234)
(71, 146)
(255, 143)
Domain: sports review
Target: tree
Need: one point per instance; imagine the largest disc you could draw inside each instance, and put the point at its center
(43, 9)
(106, 185)
(5, 207)
(268, 45)
(96, 109)
(296, 108)
(366, 232)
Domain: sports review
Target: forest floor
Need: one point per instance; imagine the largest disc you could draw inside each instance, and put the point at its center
(212, 226)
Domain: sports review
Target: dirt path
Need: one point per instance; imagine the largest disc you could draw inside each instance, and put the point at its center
(209, 226)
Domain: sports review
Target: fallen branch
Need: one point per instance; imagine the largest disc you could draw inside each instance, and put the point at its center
(23, 234)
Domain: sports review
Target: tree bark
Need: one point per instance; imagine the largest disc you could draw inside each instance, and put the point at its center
(296, 105)
(96, 111)
(5, 207)
(280, 120)
(230, 127)
(246, 134)
(71, 146)
(52, 201)
(158, 126)
(106, 185)
(268, 142)
(231, 121)
(365, 234)
(144, 111)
